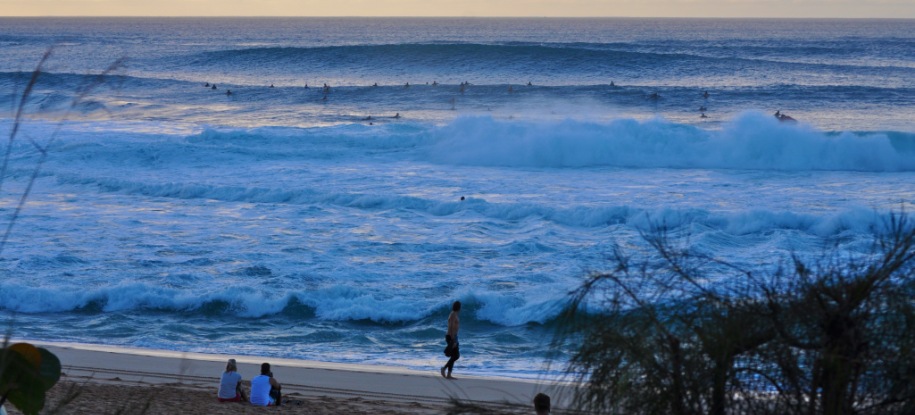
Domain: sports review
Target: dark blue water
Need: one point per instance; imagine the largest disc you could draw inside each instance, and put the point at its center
(834, 74)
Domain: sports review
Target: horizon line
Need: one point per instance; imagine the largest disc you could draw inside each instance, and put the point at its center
(460, 17)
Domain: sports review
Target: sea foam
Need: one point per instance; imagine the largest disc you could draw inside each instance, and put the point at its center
(750, 141)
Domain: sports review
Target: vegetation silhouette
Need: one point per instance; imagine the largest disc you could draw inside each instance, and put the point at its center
(28, 372)
(675, 331)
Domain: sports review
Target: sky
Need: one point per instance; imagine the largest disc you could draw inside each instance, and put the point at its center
(466, 8)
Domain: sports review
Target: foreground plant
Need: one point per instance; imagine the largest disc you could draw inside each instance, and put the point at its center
(26, 374)
(660, 335)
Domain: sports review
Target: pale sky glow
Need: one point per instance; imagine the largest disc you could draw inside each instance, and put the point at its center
(468, 8)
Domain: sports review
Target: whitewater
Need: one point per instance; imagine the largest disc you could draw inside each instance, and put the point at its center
(304, 222)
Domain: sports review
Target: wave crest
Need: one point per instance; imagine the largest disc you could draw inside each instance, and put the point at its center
(752, 141)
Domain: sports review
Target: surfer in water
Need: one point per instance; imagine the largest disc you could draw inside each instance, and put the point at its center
(228, 92)
(654, 96)
(703, 115)
(396, 115)
(214, 86)
(783, 117)
(705, 95)
(206, 85)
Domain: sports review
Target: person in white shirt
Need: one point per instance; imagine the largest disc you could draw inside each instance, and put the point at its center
(265, 390)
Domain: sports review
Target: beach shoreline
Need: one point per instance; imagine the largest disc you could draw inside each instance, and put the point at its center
(116, 376)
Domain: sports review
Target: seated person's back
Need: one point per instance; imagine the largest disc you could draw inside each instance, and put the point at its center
(230, 384)
(265, 390)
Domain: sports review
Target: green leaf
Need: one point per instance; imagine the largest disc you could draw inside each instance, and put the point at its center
(50, 368)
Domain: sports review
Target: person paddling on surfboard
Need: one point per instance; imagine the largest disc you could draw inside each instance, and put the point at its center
(783, 118)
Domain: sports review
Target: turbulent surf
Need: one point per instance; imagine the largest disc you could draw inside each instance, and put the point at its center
(297, 220)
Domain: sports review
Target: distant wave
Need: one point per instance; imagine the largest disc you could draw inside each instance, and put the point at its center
(751, 141)
(441, 53)
(439, 60)
(596, 60)
(63, 79)
(756, 221)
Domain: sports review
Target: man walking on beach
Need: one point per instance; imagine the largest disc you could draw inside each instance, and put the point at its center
(451, 337)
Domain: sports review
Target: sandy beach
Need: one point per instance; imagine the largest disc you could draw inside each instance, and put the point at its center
(125, 380)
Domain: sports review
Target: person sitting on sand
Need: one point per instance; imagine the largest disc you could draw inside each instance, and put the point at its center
(265, 390)
(230, 385)
(542, 404)
(451, 338)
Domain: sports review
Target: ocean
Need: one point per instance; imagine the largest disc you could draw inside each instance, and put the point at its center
(498, 162)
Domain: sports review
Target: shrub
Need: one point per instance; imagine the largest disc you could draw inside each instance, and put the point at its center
(660, 335)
